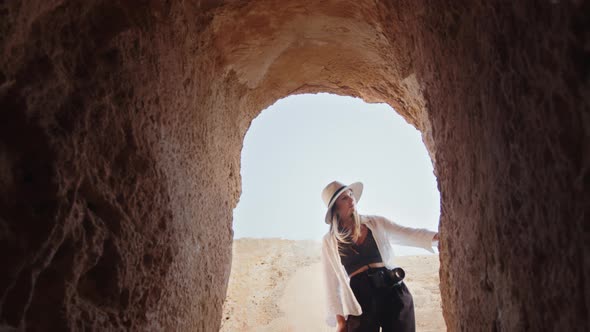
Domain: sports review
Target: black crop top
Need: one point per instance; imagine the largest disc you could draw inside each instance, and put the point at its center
(354, 256)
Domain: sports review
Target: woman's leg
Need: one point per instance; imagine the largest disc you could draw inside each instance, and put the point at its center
(365, 295)
(398, 312)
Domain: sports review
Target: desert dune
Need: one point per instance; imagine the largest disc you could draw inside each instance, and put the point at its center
(276, 285)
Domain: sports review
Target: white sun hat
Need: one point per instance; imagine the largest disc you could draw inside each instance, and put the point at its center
(334, 189)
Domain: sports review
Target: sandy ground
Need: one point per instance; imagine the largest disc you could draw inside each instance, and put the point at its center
(276, 285)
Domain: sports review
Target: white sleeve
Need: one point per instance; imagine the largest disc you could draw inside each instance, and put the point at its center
(333, 300)
(408, 236)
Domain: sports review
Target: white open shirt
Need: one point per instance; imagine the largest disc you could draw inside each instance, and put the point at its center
(340, 299)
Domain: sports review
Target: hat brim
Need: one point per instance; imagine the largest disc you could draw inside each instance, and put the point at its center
(357, 191)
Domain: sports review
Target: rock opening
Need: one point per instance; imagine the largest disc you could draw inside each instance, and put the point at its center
(123, 123)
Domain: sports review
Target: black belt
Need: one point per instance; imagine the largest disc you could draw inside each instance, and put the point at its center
(382, 277)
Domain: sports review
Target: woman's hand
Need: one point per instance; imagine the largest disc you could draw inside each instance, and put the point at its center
(341, 327)
(435, 241)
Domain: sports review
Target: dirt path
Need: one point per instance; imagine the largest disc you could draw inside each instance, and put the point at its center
(276, 285)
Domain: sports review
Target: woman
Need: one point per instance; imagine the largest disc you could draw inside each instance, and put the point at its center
(363, 294)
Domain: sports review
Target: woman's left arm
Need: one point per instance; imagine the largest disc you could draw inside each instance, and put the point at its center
(408, 236)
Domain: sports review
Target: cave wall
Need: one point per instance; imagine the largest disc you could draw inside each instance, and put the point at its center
(122, 127)
(115, 201)
(511, 128)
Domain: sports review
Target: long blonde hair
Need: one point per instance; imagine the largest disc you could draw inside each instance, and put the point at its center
(345, 236)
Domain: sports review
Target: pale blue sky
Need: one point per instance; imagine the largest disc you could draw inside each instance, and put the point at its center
(297, 146)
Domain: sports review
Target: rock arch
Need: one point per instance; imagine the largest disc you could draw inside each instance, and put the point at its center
(122, 128)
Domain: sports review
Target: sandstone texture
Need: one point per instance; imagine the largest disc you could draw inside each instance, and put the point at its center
(122, 125)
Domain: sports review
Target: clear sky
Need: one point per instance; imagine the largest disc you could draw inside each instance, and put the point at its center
(297, 146)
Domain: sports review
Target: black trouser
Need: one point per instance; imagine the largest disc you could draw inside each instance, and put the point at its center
(392, 309)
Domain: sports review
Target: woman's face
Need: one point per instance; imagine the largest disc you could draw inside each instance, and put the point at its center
(345, 204)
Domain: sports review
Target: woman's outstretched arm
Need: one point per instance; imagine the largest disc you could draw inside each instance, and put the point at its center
(408, 236)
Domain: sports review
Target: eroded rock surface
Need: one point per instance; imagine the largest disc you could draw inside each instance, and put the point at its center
(122, 126)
